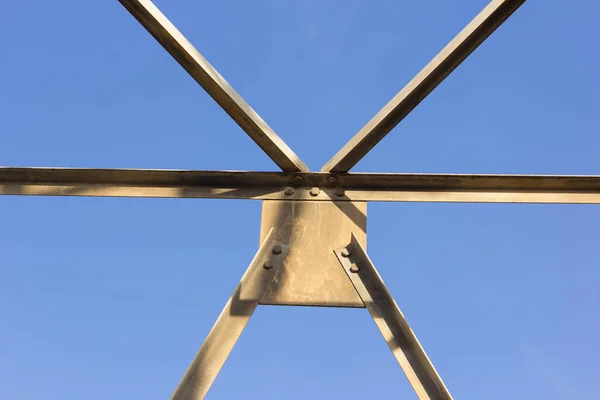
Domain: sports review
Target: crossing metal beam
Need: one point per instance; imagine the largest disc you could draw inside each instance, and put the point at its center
(392, 324)
(417, 89)
(313, 186)
(213, 83)
(319, 211)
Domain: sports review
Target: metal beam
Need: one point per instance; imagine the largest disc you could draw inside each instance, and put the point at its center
(391, 322)
(214, 84)
(233, 319)
(417, 89)
(313, 186)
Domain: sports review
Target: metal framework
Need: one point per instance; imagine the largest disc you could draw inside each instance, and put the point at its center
(313, 228)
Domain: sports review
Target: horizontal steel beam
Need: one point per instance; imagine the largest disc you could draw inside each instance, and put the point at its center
(215, 85)
(300, 186)
(421, 85)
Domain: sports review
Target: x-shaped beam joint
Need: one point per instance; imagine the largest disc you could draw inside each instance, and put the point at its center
(340, 192)
(366, 282)
(475, 33)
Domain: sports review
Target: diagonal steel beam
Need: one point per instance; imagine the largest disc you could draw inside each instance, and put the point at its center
(233, 319)
(417, 89)
(311, 186)
(215, 85)
(395, 329)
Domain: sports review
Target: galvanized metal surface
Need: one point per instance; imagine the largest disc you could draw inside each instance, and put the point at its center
(215, 85)
(389, 319)
(232, 321)
(298, 186)
(311, 275)
(417, 89)
(308, 218)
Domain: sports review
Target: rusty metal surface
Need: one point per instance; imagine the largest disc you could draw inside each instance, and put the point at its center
(298, 186)
(213, 83)
(391, 323)
(311, 275)
(232, 321)
(479, 29)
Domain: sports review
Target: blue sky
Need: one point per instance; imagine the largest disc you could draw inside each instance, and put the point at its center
(111, 298)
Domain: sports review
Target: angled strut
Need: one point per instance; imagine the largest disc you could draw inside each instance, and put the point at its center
(232, 321)
(215, 85)
(417, 89)
(391, 323)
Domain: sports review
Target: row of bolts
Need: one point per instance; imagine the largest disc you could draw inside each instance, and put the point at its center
(315, 190)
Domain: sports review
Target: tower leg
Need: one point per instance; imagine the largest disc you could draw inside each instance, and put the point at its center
(393, 326)
(229, 326)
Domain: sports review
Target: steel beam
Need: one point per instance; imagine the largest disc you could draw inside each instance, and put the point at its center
(232, 321)
(299, 186)
(313, 186)
(391, 323)
(417, 89)
(215, 85)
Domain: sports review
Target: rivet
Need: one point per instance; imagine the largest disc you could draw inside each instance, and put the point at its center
(346, 252)
(277, 249)
(297, 181)
(268, 265)
(331, 179)
(289, 191)
(315, 191)
(340, 192)
(354, 268)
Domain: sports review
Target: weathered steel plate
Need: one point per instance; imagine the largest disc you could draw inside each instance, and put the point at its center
(311, 274)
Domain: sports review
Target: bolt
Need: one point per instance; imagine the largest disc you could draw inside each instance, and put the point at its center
(268, 265)
(315, 191)
(354, 268)
(297, 181)
(289, 191)
(331, 180)
(277, 249)
(340, 192)
(346, 253)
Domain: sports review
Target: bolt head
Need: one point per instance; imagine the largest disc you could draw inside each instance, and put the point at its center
(277, 249)
(297, 181)
(346, 252)
(289, 191)
(331, 179)
(340, 192)
(354, 268)
(268, 265)
(315, 191)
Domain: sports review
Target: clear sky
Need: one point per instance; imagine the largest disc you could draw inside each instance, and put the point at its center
(111, 298)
